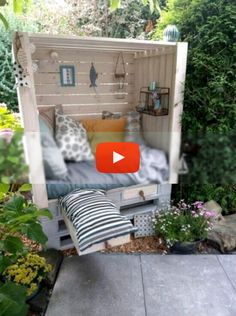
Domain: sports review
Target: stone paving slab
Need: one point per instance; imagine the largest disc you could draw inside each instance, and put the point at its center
(98, 285)
(187, 285)
(228, 263)
(145, 285)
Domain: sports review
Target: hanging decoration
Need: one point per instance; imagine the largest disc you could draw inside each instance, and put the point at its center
(183, 166)
(22, 60)
(120, 74)
(21, 77)
(20, 66)
(35, 67)
(171, 33)
(93, 75)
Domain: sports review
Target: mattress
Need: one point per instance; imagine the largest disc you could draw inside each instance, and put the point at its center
(83, 175)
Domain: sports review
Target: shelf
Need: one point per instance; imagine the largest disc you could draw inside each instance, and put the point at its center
(163, 112)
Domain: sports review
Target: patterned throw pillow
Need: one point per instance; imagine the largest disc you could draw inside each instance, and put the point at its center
(54, 165)
(71, 138)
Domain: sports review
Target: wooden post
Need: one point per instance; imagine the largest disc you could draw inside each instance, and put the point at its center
(28, 110)
(177, 109)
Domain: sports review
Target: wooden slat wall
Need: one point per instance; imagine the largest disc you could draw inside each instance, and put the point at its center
(161, 69)
(81, 100)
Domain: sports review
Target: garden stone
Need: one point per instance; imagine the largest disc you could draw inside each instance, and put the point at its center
(223, 234)
(214, 206)
(54, 257)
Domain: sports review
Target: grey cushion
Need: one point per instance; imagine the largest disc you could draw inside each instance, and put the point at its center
(71, 138)
(54, 165)
(133, 128)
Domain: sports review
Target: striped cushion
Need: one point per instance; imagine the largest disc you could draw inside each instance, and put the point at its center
(95, 217)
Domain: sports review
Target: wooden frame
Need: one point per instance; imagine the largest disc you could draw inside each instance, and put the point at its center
(67, 75)
(164, 62)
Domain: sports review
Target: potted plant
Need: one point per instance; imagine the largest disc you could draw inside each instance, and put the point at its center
(183, 226)
(28, 271)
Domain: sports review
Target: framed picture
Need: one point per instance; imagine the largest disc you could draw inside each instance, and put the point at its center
(67, 75)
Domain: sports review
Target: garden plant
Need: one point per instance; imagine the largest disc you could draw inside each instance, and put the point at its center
(183, 223)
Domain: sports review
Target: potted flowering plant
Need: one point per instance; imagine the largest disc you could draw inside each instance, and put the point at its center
(183, 226)
(28, 271)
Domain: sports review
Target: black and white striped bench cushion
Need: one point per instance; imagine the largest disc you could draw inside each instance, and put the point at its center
(94, 217)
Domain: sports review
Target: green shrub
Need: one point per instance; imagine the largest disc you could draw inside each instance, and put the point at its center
(7, 79)
(17, 216)
(209, 117)
(224, 195)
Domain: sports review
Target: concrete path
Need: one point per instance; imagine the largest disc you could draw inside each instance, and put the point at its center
(145, 285)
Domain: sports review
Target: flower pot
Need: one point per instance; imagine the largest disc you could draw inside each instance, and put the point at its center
(185, 248)
(35, 293)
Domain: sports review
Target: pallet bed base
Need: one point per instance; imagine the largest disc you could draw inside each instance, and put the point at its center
(98, 247)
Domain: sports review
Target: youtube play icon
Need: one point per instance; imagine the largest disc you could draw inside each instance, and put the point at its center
(117, 157)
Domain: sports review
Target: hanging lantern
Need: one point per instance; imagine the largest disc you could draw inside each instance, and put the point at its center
(120, 74)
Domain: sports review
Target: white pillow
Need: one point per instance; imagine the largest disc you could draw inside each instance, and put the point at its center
(71, 138)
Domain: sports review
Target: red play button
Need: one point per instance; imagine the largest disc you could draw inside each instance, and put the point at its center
(117, 157)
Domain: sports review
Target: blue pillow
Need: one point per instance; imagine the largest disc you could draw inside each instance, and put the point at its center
(54, 164)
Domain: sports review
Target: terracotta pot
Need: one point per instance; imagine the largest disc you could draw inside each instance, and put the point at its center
(185, 248)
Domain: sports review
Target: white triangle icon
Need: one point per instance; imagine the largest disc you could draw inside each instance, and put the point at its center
(117, 157)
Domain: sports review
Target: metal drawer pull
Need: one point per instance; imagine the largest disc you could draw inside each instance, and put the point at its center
(141, 193)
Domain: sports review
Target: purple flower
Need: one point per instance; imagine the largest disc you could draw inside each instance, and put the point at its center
(209, 214)
(198, 204)
(6, 134)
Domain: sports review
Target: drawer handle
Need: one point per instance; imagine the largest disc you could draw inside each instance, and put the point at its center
(141, 193)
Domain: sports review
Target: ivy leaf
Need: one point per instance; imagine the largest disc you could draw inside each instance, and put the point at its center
(15, 204)
(35, 232)
(13, 244)
(25, 187)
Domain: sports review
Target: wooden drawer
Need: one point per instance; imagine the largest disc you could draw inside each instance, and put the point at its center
(140, 192)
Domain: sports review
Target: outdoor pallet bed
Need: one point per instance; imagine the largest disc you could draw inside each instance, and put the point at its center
(43, 57)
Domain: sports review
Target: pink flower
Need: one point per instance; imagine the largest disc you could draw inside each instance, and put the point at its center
(209, 214)
(6, 134)
(198, 204)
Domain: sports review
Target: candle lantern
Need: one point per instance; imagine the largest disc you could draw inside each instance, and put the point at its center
(154, 102)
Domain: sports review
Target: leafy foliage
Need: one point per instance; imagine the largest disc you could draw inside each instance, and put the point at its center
(153, 4)
(18, 215)
(209, 117)
(225, 195)
(8, 119)
(12, 163)
(7, 79)
(12, 299)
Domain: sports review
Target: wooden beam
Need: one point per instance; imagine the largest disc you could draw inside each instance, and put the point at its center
(28, 110)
